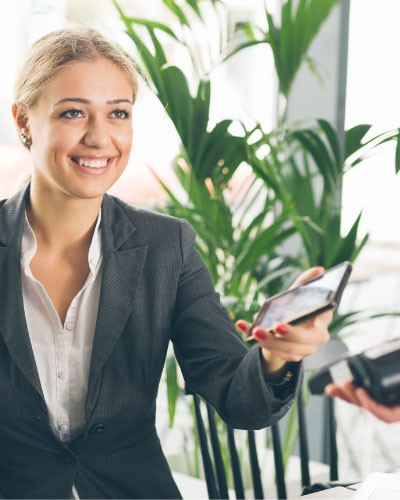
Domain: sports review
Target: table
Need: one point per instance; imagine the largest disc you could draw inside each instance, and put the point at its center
(337, 493)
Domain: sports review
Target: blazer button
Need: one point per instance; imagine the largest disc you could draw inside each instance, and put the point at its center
(98, 429)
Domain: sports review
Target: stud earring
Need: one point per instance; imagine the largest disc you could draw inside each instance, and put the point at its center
(25, 140)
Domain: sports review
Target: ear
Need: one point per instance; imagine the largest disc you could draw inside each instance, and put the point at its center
(20, 118)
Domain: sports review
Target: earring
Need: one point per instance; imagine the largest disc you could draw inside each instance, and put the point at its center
(25, 140)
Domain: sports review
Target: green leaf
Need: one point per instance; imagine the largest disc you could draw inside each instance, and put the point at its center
(247, 29)
(255, 226)
(153, 25)
(272, 276)
(341, 321)
(397, 156)
(172, 387)
(195, 7)
(150, 62)
(230, 52)
(324, 162)
(218, 154)
(291, 41)
(359, 247)
(201, 112)
(345, 320)
(353, 139)
(166, 188)
(177, 11)
(208, 212)
(345, 248)
(331, 135)
(160, 55)
(313, 67)
(291, 433)
(270, 237)
(178, 101)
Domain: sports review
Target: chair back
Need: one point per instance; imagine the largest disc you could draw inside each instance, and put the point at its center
(215, 471)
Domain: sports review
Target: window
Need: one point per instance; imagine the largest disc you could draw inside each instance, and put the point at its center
(373, 97)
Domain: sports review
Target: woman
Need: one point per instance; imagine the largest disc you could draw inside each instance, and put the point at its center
(93, 290)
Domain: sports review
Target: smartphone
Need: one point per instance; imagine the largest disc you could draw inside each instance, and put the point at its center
(304, 301)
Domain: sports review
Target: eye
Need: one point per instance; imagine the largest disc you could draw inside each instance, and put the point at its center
(71, 113)
(121, 114)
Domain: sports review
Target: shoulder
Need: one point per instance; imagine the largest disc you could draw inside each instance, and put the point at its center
(142, 217)
(156, 226)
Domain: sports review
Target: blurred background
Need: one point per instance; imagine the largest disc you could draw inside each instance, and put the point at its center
(373, 81)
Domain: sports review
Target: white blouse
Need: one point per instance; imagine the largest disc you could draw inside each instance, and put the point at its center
(62, 352)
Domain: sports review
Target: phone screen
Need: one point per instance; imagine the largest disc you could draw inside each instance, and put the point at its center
(305, 300)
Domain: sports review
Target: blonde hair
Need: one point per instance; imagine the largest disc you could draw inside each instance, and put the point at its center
(53, 51)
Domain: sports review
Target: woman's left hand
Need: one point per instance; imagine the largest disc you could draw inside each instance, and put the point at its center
(288, 343)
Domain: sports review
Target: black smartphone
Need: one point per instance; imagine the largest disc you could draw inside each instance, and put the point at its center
(304, 301)
(377, 370)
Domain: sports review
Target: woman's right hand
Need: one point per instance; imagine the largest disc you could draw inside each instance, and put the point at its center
(360, 397)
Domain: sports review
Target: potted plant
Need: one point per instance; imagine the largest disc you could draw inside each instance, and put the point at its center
(293, 173)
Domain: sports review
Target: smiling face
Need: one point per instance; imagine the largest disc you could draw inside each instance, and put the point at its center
(81, 130)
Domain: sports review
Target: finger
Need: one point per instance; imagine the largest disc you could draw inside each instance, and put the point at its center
(308, 275)
(335, 391)
(348, 390)
(243, 326)
(364, 398)
(343, 391)
(385, 413)
(283, 348)
(322, 319)
(305, 334)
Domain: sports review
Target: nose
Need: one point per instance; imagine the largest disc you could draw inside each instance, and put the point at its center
(97, 134)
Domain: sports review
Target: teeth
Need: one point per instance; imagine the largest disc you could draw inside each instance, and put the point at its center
(92, 163)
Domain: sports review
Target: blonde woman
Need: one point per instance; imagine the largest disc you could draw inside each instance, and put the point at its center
(92, 291)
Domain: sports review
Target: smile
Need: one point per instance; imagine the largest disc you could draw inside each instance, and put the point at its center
(91, 163)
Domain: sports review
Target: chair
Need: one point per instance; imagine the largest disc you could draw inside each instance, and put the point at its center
(216, 473)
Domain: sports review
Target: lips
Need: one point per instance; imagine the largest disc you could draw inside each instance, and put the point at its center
(94, 163)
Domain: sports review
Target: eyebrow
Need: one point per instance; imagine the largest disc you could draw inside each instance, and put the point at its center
(87, 101)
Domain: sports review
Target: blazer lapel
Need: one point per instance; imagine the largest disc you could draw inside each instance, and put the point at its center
(13, 326)
(121, 273)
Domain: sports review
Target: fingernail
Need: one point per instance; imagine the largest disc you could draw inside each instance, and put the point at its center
(241, 326)
(282, 329)
(260, 335)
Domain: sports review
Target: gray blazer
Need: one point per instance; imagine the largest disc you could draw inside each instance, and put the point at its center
(155, 289)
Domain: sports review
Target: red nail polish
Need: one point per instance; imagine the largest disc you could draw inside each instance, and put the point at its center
(281, 329)
(241, 326)
(260, 335)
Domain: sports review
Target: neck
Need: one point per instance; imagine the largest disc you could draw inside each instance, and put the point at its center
(60, 222)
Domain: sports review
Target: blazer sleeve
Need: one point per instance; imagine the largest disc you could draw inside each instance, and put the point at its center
(214, 360)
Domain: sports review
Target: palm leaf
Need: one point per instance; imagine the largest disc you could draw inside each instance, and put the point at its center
(324, 161)
(231, 51)
(346, 248)
(333, 140)
(194, 4)
(353, 139)
(177, 11)
(291, 41)
(272, 236)
(154, 25)
(345, 320)
(220, 154)
(172, 387)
